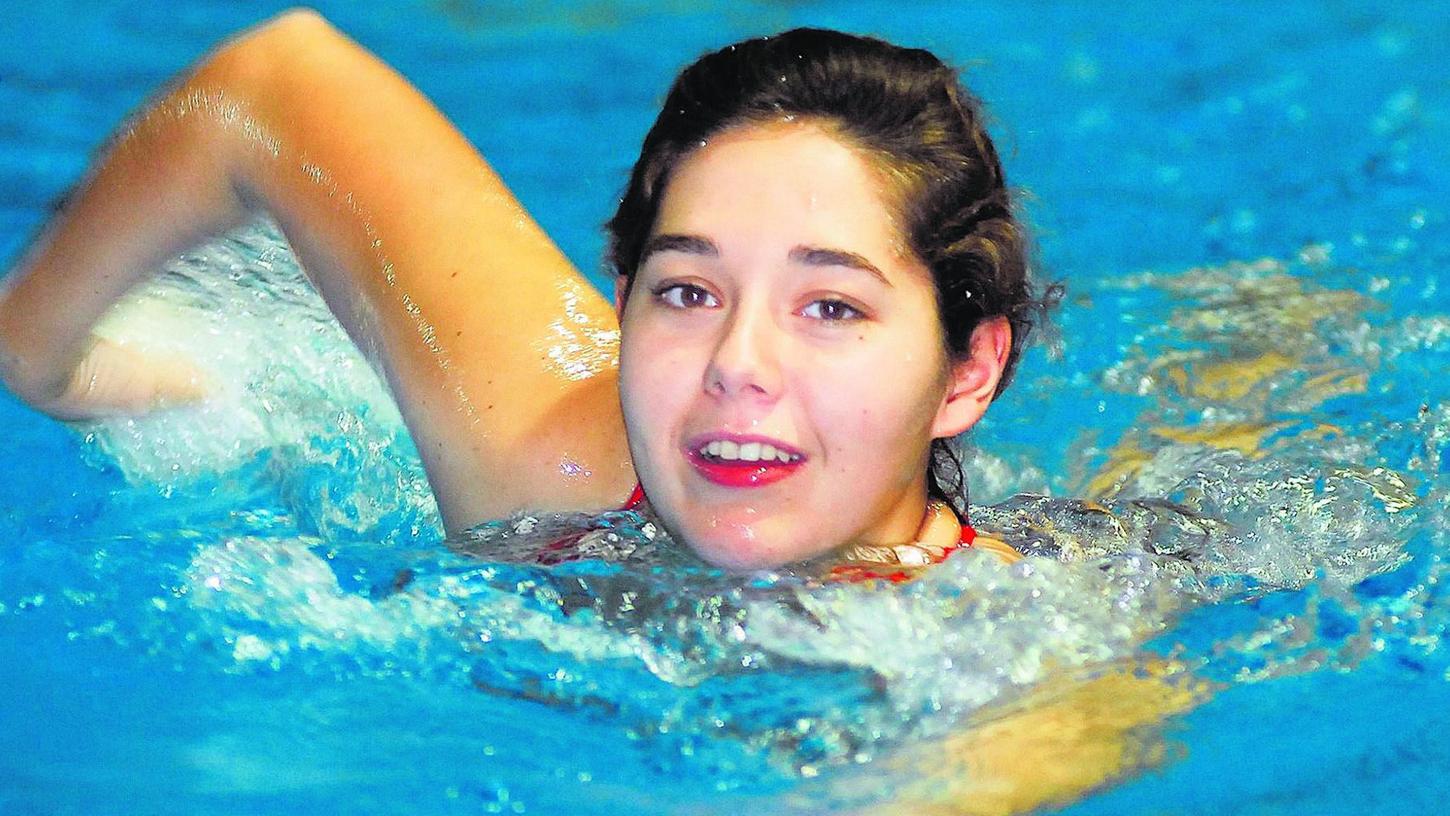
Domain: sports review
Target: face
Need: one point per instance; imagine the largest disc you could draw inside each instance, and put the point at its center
(782, 362)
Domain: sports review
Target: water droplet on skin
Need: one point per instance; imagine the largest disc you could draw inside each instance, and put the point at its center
(574, 470)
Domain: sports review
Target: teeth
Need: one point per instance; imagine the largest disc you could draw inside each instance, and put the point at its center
(726, 450)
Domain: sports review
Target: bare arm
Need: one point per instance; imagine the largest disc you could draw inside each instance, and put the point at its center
(501, 356)
(1063, 741)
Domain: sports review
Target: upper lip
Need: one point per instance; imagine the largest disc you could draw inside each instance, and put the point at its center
(698, 441)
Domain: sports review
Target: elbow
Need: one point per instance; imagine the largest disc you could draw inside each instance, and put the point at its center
(270, 51)
(294, 31)
(295, 22)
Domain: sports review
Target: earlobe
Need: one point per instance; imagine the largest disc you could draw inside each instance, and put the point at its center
(973, 379)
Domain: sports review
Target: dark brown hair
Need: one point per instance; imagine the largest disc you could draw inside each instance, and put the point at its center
(910, 114)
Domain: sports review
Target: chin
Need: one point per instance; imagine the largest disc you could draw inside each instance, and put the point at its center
(744, 551)
(736, 561)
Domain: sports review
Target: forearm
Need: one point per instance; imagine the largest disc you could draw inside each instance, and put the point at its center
(414, 242)
(167, 181)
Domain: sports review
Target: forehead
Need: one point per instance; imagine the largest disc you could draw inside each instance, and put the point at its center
(797, 181)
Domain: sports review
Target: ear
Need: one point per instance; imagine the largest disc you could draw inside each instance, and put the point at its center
(973, 380)
(621, 294)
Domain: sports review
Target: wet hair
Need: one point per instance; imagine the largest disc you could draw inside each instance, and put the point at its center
(909, 114)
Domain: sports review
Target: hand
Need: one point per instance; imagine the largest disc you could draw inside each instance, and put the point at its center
(116, 380)
(1064, 739)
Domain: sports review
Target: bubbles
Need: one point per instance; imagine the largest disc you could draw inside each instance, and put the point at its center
(288, 391)
(576, 349)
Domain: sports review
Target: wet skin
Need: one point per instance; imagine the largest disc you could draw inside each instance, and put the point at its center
(777, 304)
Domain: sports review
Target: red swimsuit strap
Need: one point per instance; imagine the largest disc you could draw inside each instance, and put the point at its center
(635, 497)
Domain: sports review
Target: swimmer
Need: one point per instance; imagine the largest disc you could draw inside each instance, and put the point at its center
(820, 280)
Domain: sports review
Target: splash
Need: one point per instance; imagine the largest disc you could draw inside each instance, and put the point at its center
(1238, 523)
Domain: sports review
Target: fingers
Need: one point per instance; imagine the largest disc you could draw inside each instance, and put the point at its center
(117, 380)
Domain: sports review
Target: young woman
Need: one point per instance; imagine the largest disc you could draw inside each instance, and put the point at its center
(820, 279)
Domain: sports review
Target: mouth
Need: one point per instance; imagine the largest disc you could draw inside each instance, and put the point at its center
(741, 461)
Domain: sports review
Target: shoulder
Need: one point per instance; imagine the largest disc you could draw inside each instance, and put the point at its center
(997, 547)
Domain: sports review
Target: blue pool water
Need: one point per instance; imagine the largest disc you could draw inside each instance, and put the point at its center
(1247, 389)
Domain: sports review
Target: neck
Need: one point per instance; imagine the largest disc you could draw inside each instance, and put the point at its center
(939, 532)
(940, 527)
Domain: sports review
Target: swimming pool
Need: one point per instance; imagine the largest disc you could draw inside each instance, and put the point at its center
(195, 612)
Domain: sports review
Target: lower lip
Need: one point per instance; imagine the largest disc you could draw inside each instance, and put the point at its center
(742, 474)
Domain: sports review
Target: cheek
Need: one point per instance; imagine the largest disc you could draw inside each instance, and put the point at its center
(886, 400)
(634, 385)
(652, 385)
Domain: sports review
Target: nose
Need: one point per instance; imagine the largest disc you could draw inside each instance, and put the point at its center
(745, 360)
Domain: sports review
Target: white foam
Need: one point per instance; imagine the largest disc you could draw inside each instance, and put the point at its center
(286, 386)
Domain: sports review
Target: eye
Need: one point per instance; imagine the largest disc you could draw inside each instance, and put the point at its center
(685, 296)
(832, 311)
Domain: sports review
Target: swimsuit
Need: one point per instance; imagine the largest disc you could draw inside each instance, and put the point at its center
(635, 497)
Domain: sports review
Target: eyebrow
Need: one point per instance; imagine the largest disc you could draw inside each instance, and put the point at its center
(806, 255)
(820, 256)
(688, 244)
